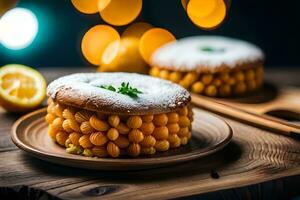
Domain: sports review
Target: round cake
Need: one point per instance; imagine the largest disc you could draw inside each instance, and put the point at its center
(210, 65)
(115, 114)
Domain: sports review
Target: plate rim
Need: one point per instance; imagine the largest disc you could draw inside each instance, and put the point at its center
(136, 162)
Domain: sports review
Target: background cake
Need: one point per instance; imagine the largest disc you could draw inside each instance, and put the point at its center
(210, 65)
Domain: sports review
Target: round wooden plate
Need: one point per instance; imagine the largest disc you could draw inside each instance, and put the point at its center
(210, 134)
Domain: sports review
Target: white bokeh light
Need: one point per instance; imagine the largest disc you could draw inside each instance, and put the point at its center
(18, 28)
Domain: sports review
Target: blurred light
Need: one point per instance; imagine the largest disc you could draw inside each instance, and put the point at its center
(18, 28)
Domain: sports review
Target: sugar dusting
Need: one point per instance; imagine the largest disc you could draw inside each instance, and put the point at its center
(186, 54)
(156, 94)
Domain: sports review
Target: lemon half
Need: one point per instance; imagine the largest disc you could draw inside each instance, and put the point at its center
(21, 88)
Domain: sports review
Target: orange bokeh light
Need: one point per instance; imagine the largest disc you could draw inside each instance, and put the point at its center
(206, 14)
(86, 6)
(152, 40)
(136, 29)
(96, 40)
(102, 4)
(121, 12)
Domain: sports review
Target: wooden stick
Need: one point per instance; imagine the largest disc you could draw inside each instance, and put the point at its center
(262, 121)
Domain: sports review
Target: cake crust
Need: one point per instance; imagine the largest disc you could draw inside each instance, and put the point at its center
(84, 91)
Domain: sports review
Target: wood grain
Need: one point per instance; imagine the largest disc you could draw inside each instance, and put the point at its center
(254, 156)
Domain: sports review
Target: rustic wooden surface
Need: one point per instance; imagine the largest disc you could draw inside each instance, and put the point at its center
(254, 156)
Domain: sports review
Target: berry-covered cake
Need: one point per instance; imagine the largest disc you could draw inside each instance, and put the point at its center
(116, 114)
(210, 65)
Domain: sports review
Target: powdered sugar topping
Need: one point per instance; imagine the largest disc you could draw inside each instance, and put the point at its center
(157, 95)
(206, 51)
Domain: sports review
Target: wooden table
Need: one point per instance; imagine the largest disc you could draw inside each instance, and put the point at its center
(256, 165)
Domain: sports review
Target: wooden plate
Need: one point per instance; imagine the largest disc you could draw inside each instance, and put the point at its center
(210, 134)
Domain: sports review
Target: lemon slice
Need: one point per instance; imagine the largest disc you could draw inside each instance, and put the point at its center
(21, 88)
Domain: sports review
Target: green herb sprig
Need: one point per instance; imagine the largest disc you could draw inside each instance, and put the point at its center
(211, 49)
(125, 89)
(108, 87)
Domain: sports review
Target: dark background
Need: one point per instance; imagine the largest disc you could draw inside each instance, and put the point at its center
(271, 24)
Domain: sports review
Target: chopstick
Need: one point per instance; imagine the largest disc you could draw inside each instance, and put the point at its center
(262, 121)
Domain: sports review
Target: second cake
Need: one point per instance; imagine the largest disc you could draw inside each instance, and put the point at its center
(211, 65)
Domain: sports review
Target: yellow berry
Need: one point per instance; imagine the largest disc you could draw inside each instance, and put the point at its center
(231, 81)
(122, 142)
(114, 120)
(112, 134)
(148, 150)
(184, 121)
(217, 82)
(183, 132)
(198, 87)
(61, 137)
(100, 152)
(224, 76)
(74, 137)
(211, 90)
(86, 128)
(162, 145)
(85, 142)
(250, 75)
(68, 142)
(98, 124)
(164, 74)
(122, 128)
(184, 140)
(225, 90)
(147, 128)
(173, 117)
(57, 123)
(98, 139)
(173, 128)
(161, 133)
(206, 79)
(154, 71)
(134, 149)
(49, 118)
(190, 77)
(113, 150)
(183, 111)
(135, 135)
(175, 77)
(147, 118)
(149, 141)
(58, 110)
(240, 88)
(239, 76)
(174, 140)
(66, 126)
(134, 122)
(184, 84)
(160, 119)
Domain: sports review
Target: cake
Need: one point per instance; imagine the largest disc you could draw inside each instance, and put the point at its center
(118, 114)
(210, 65)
